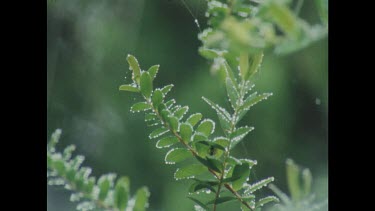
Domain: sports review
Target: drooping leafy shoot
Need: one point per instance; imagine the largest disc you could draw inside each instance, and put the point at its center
(104, 193)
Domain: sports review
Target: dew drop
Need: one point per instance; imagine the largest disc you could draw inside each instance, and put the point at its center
(197, 23)
(318, 101)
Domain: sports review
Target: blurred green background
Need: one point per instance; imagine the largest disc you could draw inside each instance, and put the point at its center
(87, 43)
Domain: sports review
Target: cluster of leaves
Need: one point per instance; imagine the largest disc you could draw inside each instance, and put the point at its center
(103, 194)
(211, 168)
(245, 28)
(301, 196)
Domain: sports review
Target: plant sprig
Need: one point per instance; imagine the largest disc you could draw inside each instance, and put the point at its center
(211, 153)
(104, 193)
(239, 29)
(301, 197)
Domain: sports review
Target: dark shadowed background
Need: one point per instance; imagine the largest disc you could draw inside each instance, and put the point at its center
(87, 44)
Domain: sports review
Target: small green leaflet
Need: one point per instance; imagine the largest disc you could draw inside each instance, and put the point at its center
(175, 108)
(141, 199)
(266, 200)
(206, 127)
(292, 171)
(70, 174)
(233, 161)
(153, 71)
(180, 112)
(67, 154)
(284, 198)
(166, 89)
(201, 149)
(230, 74)
(186, 130)
(189, 171)
(213, 164)
(167, 141)
(128, 87)
(177, 155)
(222, 141)
(158, 132)
(250, 162)
(218, 109)
(121, 193)
(199, 137)
(105, 182)
(59, 166)
(210, 53)
(194, 119)
(258, 185)
(164, 112)
(307, 181)
(170, 103)
(239, 134)
(134, 66)
(256, 60)
(150, 117)
(89, 185)
(244, 64)
(173, 122)
(224, 116)
(232, 93)
(240, 174)
(146, 84)
(157, 98)
(141, 106)
(250, 101)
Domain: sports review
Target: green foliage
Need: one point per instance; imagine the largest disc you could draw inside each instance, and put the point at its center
(301, 197)
(105, 194)
(241, 30)
(228, 175)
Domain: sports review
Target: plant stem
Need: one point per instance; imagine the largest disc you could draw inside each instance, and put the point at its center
(227, 153)
(219, 186)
